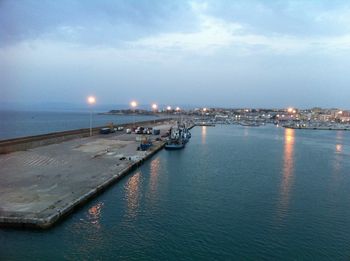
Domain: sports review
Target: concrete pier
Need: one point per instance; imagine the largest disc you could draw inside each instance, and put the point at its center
(41, 185)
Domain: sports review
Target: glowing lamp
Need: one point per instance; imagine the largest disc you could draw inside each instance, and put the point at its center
(91, 100)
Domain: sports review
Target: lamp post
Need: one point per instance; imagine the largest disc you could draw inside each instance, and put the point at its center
(133, 105)
(204, 117)
(178, 110)
(91, 101)
(154, 108)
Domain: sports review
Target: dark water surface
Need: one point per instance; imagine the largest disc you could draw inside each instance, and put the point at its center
(15, 124)
(233, 193)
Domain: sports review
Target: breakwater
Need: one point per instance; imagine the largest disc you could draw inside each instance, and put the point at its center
(42, 185)
(319, 128)
(30, 142)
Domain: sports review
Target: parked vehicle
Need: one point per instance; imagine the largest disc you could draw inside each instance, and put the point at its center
(147, 131)
(156, 131)
(139, 130)
(105, 130)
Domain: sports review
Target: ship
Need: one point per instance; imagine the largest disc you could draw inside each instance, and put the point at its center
(178, 137)
(250, 124)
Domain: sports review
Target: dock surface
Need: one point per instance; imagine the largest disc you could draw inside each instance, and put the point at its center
(43, 184)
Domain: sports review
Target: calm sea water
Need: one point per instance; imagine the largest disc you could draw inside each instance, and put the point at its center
(233, 193)
(15, 124)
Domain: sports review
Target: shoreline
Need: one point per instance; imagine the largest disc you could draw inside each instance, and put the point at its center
(317, 128)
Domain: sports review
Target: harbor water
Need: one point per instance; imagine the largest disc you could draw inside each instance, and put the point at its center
(234, 192)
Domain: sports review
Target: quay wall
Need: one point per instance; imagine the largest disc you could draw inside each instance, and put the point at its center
(30, 142)
(62, 212)
(318, 128)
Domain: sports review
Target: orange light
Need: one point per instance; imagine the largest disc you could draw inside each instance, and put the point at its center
(91, 100)
(338, 148)
(288, 170)
(204, 134)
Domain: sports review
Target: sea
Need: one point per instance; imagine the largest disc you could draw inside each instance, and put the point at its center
(234, 193)
(15, 124)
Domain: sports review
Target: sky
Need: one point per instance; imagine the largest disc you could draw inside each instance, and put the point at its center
(224, 53)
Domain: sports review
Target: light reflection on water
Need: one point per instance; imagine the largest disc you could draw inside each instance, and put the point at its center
(132, 195)
(338, 148)
(154, 174)
(246, 132)
(94, 214)
(338, 152)
(288, 171)
(204, 134)
(89, 230)
(339, 139)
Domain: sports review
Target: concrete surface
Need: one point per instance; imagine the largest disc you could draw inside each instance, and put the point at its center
(39, 186)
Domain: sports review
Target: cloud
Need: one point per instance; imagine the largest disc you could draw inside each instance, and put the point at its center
(199, 27)
(104, 21)
(140, 48)
(339, 19)
(215, 33)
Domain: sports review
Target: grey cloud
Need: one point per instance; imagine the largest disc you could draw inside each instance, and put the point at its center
(95, 22)
(293, 17)
(232, 53)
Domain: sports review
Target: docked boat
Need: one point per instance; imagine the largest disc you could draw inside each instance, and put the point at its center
(185, 133)
(178, 137)
(174, 146)
(250, 124)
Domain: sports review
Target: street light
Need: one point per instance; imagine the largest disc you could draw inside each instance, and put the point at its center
(154, 107)
(133, 104)
(177, 109)
(91, 101)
